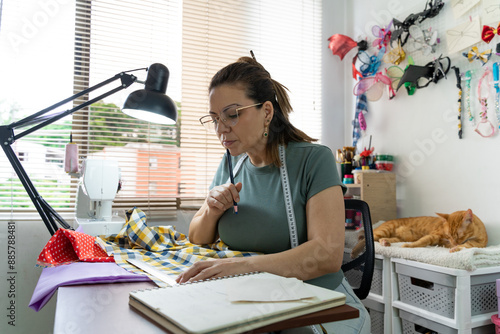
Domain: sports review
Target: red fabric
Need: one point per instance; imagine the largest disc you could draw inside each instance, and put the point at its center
(68, 246)
(341, 44)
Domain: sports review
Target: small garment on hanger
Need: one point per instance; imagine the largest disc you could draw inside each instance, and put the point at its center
(359, 123)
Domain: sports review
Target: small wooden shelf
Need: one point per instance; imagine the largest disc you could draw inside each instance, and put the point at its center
(378, 190)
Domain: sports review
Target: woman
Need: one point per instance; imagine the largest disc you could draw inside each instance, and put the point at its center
(249, 113)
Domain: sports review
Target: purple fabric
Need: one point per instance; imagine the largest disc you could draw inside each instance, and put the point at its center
(78, 273)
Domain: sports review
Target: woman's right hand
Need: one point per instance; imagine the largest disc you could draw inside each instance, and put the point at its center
(220, 198)
(203, 226)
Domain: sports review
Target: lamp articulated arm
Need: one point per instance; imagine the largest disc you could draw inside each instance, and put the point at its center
(7, 138)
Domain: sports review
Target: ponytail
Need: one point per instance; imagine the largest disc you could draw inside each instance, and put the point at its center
(260, 87)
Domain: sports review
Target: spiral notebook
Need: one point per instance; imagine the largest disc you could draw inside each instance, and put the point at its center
(232, 304)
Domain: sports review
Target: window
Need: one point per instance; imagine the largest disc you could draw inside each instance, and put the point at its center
(65, 48)
(37, 42)
(285, 37)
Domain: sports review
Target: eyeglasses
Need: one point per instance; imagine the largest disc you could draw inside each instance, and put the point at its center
(228, 116)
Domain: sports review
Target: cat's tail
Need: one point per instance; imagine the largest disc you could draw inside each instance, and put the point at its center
(359, 247)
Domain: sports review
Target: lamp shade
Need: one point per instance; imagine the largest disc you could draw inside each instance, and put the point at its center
(151, 104)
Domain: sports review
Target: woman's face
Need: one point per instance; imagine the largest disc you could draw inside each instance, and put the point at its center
(247, 135)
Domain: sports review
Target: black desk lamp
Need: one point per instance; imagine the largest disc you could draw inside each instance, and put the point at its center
(149, 104)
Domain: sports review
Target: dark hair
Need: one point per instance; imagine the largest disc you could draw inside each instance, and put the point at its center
(260, 87)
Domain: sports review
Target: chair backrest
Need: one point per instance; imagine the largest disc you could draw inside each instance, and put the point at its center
(359, 271)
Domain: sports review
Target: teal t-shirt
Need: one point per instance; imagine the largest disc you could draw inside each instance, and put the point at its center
(261, 224)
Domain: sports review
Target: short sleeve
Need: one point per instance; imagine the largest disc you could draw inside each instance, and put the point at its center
(321, 172)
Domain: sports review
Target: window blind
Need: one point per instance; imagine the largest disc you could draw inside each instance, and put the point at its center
(162, 167)
(285, 37)
(115, 36)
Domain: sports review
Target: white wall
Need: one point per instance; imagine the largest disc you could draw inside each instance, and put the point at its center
(332, 77)
(436, 171)
(17, 283)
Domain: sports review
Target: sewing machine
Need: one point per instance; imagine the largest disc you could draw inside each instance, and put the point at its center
(97, 189)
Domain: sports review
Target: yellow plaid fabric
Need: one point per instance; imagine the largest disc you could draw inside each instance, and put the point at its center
(159, 246)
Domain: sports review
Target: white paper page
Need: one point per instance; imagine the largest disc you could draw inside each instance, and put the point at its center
(490, 15)
(463, 35)
(460, 7)
(267, 290)
(204, 307)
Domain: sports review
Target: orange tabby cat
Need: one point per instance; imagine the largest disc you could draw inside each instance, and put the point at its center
(460, 229)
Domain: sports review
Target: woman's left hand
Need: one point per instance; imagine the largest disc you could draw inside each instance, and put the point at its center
(206, 269)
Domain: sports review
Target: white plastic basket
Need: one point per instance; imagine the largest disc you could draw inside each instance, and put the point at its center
(380, 295)
(378, 277)
(381, 282)
(376, 311)
(413, 324)
(435, 292)
(461, 301)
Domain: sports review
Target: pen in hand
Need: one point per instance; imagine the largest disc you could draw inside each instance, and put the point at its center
(231, 176)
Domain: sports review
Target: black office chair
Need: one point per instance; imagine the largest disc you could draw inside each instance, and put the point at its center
(359, 271)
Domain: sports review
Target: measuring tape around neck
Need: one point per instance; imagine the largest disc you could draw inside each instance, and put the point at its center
(287, 194)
